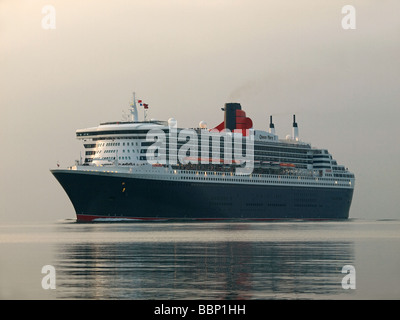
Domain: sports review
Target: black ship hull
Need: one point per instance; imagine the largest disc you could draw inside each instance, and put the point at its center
(100, 195)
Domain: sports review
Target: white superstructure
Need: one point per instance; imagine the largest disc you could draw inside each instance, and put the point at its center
(122, 147)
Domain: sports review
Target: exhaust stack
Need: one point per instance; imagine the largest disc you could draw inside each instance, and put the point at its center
(271, 126)
(235, 119)
(295, 130)
(230, 115)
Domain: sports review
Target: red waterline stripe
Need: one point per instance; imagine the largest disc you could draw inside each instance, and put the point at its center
(89, 218)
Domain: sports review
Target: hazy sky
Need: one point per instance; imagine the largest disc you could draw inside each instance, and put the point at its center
(186, 58)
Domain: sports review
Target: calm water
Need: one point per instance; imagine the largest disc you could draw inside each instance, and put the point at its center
(278, 260)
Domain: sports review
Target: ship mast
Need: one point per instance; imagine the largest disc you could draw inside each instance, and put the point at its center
(134, 112)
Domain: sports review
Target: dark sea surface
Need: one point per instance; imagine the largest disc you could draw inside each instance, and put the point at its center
(218, 261)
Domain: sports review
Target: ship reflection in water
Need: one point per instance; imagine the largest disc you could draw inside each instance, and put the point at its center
(202, 261)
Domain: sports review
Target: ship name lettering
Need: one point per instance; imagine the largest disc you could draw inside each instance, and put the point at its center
(264, 137)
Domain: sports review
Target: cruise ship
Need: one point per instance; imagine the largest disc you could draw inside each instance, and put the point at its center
(153, 170)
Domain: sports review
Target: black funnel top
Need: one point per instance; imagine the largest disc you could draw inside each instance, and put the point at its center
(230, 115)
